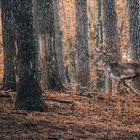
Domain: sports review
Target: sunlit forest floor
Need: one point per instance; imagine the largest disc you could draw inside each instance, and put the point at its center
(73, 117)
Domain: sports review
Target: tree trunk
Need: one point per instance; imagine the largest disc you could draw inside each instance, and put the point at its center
(58, 43)
(39, 11)
(28, 92)
(53, 78)
(83, 73)
(9, 79)
(134, 34)
(48, 72)
(110, 31)
(100, 19)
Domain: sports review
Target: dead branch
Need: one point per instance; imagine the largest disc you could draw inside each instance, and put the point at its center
(59, 100)
(134, 90)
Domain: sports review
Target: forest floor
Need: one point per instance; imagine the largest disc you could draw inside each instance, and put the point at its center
(72, 117)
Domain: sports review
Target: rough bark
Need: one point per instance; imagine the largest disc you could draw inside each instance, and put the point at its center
(39, 12)
(29, 92)
(83, 74)
(134, 34)
(48, 70)
(100, 19)
(58, 43)
(110, 31)
(9, 79)
(53, 80)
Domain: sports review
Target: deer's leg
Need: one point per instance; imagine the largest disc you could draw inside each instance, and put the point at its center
(108, 85)
(116, 85)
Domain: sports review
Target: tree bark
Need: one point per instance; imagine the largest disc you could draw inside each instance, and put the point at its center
(83, 73)
(100, 19)
(58, 43)
(39, 12)
(134, 34)
(9, 79)
(110, 31)
(29, 92)
(48, 70)
(54, 79)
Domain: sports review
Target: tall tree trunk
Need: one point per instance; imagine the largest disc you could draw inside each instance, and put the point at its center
(39, 11)
(134, 34)
(110, 30)
(9, 79)
(58, 43)
(83, 73)
(29, 92)
(47, 62)
(53, 78)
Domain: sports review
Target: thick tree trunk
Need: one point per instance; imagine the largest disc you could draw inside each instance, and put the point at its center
(134, 34)
(110, 31)
(9, 79)
(48, 72)
(28, 92)
(53, 78)
(83, 73)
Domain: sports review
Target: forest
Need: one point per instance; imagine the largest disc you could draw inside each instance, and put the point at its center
(69, 69)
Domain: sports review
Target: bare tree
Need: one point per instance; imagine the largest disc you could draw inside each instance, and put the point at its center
(83, 73)
(9, 79)
(28, 92)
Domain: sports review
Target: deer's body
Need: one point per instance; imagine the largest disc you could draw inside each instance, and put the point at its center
(118, 71)
(121, 71)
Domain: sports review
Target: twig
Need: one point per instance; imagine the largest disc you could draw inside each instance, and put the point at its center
(134, 90)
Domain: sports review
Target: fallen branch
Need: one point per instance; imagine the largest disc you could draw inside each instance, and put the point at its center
(134, 90)
(59, 100)
(88, 94)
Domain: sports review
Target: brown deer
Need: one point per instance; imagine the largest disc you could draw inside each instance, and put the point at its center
(119, 72)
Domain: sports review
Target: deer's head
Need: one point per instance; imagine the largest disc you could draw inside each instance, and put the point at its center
(107, 58)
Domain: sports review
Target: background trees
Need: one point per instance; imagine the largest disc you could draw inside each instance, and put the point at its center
(45, 50)
(134, 33)
(9, 79)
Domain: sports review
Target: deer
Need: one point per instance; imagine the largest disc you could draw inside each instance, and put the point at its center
(119, 72)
